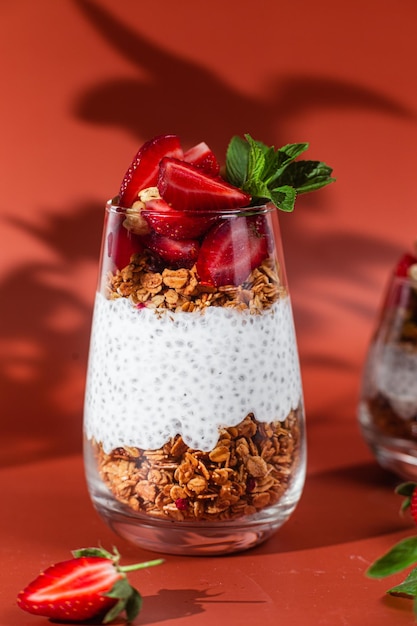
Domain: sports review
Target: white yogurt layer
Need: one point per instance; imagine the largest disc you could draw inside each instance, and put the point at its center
(152, 376)
(396, 378)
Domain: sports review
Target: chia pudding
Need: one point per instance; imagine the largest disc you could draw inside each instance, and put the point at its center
(193, 408)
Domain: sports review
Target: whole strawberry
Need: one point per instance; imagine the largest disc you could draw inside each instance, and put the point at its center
(90, 585)
(409, 490)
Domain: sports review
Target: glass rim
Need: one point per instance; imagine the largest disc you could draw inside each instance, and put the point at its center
(112, 206)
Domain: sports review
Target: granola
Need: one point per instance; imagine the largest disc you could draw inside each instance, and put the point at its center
(180, 289)
(250, 468)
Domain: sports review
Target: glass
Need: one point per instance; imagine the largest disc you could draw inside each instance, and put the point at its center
(388, 402)
(194, 417)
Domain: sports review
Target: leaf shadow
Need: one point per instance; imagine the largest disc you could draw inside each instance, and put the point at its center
(42, 361)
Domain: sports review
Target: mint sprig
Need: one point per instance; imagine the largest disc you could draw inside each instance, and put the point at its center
(400, 556)
(273, 175)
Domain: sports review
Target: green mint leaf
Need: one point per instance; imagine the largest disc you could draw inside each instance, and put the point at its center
(256, 160)
(284, 198)
(291, 151)
(283, 157)
(306, 176)
(268, 174)
(408, 588)
(258, 189)
(237, 157)
(398, 558)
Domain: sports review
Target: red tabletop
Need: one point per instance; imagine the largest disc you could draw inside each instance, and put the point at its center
(310, 572)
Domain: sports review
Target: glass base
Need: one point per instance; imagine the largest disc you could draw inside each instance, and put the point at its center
(395, 454)
(181, 539)
(197, 538)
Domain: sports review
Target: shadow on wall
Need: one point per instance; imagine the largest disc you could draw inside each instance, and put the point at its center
(43, 363)
(174, 94)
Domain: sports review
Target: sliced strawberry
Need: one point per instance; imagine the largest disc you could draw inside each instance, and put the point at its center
(176, 224)
(87, 586)
(121, 243)
(143, 171)
(175, 252)
(413, 505)
(404, 263)
(187, 188)
(203, 157)
(232, 249)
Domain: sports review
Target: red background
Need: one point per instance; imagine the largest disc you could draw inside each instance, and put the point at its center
(85, 82)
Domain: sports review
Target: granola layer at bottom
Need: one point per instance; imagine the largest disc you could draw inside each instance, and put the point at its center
(250, 468)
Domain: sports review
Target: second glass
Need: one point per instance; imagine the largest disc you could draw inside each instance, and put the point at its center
(194, 417)
(388, 403)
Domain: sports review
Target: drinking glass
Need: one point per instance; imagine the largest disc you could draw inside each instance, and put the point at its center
(388, 399)
(194, 422)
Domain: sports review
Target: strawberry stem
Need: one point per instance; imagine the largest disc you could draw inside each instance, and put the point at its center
(135, 566)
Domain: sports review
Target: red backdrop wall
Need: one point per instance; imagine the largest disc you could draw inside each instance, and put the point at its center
(85, 82)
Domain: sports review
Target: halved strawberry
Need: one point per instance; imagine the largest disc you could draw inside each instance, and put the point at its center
(175, 252)
(143, 171)
(91, 585)
(187, 188)
(232, 249)
(176, 224)
(121, 243)
(404, 263)
(203, 157)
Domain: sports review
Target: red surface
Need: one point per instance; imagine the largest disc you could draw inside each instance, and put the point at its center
(84, 83)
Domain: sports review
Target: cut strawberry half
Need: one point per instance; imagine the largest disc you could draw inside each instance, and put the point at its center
(403, 265)
(144, 169)
(175, 252)
(91, 585)
(232, 249)
(175, 224)
(121, 243)
(203, 157)
(188, 188)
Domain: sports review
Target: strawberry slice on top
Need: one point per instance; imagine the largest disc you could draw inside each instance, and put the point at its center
(188, 188)
(165, 220)
(404, 263)
(203, 157)
(175, 252)
(232, 249)
(121, 243)
(144, 169)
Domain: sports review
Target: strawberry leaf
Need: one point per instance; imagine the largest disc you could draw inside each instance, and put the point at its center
(100, 552)
(133, 605)
(122, 591)
(398, 558)
(408, 588)
(406, 490)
